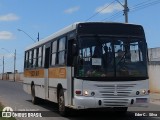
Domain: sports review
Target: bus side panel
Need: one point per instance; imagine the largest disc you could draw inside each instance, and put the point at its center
(53, 82)
(37, 77)
(39, 86)
(26, 86)
(69, 86)
(57, 76)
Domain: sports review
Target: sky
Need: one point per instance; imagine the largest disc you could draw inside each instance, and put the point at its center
(49, 16)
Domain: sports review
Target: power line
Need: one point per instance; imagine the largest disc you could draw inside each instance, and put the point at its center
(141, 3)
(112, 16)
(126, 10)
(9, 64)
(136, 7)
(99, 11)
(145, 5)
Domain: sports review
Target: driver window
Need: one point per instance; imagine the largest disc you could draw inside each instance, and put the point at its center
(136, 53)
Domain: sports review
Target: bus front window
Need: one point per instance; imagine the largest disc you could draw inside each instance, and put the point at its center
(111, 57)
(95, 57)
(130, 57)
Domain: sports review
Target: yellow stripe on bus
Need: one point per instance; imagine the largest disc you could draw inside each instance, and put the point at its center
(38, 73)
(57, 72)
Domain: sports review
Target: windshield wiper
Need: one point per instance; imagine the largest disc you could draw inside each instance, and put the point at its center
(122, 58)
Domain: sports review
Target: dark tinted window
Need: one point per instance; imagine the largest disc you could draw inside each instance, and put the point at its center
(53, 54)
(111, 29)
(62, 51)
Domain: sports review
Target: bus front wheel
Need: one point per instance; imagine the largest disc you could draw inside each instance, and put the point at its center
(61, 103)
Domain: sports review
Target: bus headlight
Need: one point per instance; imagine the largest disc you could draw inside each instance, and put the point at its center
(144, 92)
(86, 93)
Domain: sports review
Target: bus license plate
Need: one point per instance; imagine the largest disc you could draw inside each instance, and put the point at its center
(141, 100)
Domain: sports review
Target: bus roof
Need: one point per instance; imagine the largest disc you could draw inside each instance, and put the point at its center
(54, 35)
(63, 31)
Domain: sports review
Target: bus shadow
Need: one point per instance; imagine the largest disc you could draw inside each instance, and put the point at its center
(46, 104)
(106, 115)
(92, 114)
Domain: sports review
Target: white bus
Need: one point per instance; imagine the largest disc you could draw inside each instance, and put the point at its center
(90, 65)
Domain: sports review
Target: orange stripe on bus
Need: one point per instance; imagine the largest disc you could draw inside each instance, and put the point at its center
(57, 72)
(38, 73)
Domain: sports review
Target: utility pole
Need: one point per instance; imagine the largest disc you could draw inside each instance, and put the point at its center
(14, 71)
(38, 36)
(15, 65)
(3, 69)
(126, 9)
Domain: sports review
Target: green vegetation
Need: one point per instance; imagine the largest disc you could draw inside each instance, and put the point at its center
(2, 118)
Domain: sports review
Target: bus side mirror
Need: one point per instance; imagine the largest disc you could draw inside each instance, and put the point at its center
(74, 50)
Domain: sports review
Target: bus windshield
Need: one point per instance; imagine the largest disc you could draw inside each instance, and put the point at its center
(102, 56)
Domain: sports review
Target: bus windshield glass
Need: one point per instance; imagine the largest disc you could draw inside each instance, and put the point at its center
(102, 56)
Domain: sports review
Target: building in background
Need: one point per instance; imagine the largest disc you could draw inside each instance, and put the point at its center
(154, 54)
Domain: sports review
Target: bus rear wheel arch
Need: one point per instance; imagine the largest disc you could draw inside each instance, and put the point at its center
(33, 95)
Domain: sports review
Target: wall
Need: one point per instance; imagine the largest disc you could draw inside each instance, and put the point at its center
(154, 69)
(154, 76)
(154, 54)
(18, 76)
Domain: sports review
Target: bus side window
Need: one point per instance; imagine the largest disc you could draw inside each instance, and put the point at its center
(47, 53)
(39, 57)
(26, 60)
(43, 57)
(72, 51)
(30, 64)
(34, 57)
(62, 51)
(53, 53)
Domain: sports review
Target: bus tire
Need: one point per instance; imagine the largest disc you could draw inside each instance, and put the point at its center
(61, 103)
(34, 98)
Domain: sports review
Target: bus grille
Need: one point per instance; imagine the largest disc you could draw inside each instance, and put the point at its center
(115, 90)
(115, 95)
(115, 102)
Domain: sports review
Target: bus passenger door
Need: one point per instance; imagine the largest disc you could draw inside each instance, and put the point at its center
(46, 66)
(70, 71)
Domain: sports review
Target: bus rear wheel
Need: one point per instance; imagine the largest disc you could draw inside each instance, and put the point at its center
(34, 98)
(61, 103)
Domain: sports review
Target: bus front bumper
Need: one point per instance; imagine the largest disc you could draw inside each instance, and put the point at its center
(83, 102)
